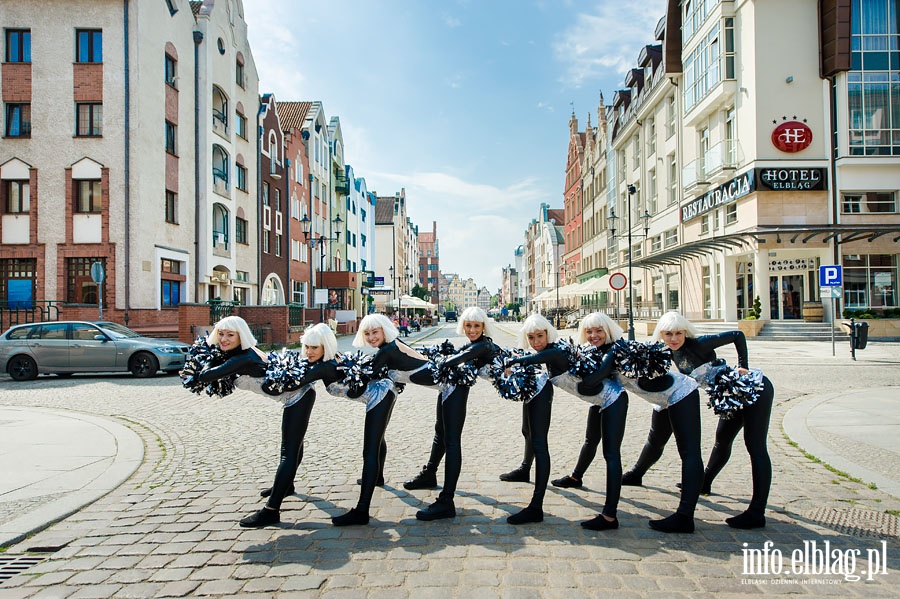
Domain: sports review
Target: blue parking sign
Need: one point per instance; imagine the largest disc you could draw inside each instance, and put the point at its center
(831, 276)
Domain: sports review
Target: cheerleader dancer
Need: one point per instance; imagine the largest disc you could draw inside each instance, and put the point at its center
(605, 421)
(451, 414)
(676, 407)
(404, 365)
(232, 335)
(539, 334)
(319, 347)
(690, 353)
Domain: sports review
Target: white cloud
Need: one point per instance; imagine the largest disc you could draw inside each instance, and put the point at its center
(451, 22)
(607, 39)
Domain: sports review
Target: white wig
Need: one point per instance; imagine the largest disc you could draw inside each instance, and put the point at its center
(375, 321)
(673, 321)
(476, 314)
(320, 335)
(236, 324)
(533, 323)
(598, 319)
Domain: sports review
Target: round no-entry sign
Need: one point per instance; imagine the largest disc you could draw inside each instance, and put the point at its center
(618, 281)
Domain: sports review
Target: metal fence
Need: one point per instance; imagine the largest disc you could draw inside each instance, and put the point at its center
(21, 312)
(219, 309)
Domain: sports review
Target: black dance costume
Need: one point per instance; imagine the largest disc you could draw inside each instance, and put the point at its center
(298, 407)
(239, 361)
(448, 427)
(676, 405)
(606, 422)
(754, 419)
(402, 368)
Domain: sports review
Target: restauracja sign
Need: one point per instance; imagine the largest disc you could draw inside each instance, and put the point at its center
(727, 192)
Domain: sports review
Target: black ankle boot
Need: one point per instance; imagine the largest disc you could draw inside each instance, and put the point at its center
(351, 518)
(631, 479)
(600, 523)
(264, 517)
(746, 521)
(442, 508)
(526, 516)
(674, 523)
(567, 482)
(267, 492)
(522, 474)
(426, 479)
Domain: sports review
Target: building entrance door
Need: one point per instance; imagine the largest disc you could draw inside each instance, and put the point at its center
(786, 297)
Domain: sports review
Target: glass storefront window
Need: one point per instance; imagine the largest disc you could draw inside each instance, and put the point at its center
(870, 281)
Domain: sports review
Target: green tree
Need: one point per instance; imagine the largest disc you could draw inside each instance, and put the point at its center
(420, 292)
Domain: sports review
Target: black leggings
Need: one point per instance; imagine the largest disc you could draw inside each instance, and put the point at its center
(374, 448)
(294, 422)
(536, 417)
(755, 422)
(450, 417)
(609, 426)
(683, 419)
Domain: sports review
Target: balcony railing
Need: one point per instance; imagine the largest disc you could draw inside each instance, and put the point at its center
(722, 156)
(693, 174)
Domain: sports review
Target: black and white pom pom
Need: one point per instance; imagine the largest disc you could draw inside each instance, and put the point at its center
(464, 375)
(583, 359)
(434, 352)
(730, 391)
(284, 371)
(520, 384)
(202, 355)
(356, 369)
(642, 360)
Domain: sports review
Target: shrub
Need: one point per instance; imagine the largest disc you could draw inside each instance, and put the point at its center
(756, 311)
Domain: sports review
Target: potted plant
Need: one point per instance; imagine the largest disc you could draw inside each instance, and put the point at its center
(751, 325)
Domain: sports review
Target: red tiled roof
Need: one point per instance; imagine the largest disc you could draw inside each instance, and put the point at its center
(292, 114)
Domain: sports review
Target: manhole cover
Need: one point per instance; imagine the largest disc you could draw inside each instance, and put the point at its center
(859, 523)
(11, 565)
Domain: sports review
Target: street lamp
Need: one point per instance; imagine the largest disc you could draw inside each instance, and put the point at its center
(549, 266)
(394, 284)
(612, 227)
(319, 240)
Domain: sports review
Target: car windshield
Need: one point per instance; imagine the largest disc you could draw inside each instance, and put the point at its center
(117, 331)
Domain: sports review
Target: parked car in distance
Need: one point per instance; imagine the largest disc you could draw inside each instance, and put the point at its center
(67, 347)
(450, 316)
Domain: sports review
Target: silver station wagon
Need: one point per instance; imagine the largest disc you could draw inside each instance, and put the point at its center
(67, 347)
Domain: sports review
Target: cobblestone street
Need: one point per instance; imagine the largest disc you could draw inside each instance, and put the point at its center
(172, 528)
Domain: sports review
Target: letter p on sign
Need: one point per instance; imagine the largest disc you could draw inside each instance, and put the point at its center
(831, 276)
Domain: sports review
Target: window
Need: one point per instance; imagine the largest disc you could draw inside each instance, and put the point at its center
(266, 241)
(88, 45)
(702, 69)
(18, 120)
(298, 295)
(220, 225)
(240, 293)
(220, 166)
(656, 243)
(729, 48)
(240, 172)
(171, 293)
(171, 71)
(715, 220)
(362, 239)
(219, 109)
(18, 197)
(730, 138)
(731, 213)
(868, 202)
(706, 277)
(18, 45)
(670, 116)
(277, 244)
(704, 224)
(636, 151)
(277, 199)
(80, 287)
(295, 250)
(170, 138)
(240, 230)
(651, 191)
(172, 8)
(239, 72)
(17, 277)
(88, 119)
(171, 207)
(265, 190)
(362, 214)
(651, 136)
(241, 125)
(88, 197)
(671, 238)
(870, 281)
(673, 180)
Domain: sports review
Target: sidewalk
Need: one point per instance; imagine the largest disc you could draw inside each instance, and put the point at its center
(54, 462)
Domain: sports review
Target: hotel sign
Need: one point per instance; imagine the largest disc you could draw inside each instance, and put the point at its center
(792, 179)
(724, 194)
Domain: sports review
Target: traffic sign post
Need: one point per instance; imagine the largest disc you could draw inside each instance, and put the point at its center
(98, 275)
(831, 280)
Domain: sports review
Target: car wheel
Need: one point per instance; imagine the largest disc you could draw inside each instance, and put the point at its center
(143, 365)
(22, 368)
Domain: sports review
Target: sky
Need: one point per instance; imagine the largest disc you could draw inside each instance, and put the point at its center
(465, 104)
